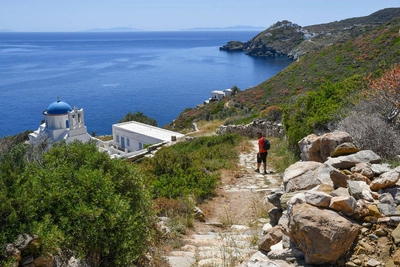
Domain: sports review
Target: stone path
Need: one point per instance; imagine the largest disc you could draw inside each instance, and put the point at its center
(212, 245)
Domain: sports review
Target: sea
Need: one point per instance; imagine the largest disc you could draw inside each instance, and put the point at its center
(109, 74)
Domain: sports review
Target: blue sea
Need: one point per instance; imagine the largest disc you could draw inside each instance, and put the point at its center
(111, 74)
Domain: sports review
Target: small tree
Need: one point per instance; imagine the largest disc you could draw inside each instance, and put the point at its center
(235, 90)
(388, 87)
(139, 117)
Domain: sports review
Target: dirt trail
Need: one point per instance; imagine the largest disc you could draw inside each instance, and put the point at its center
(234, 218)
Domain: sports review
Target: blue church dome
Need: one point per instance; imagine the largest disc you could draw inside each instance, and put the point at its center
(58, 107)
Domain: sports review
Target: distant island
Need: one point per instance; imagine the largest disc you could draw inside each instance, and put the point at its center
(231, 28)
(115, 29)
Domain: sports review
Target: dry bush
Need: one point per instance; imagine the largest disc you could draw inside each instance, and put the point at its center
(370, 131)
(272, 113)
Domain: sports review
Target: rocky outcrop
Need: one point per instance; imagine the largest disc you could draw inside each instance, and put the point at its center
(277, 40)
(232, 46)
(319, 148)
(341, 212)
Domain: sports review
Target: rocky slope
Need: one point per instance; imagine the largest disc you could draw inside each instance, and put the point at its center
(339, 210)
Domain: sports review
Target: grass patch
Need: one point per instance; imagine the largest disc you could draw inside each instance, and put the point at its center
(191, 168)
(280, 155)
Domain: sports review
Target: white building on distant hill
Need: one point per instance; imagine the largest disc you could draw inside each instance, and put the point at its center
(218, 95)
(61, 122)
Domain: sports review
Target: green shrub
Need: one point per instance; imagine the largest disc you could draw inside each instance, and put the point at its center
(281, 156)
(76, 198)
(190, 168)
(139, 117)
(313, 112)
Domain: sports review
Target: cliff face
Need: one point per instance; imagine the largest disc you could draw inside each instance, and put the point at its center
(277, 40)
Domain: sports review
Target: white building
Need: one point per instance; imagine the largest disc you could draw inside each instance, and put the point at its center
(218, 95)
(61, 122)
(131, 138)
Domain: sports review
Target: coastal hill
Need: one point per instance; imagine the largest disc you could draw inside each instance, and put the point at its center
(322, 87)
(286, 38)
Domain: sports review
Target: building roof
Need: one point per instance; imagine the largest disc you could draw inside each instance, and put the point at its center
(57, 108)
(148, 130)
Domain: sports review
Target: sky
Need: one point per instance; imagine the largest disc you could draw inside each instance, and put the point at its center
(170, 15)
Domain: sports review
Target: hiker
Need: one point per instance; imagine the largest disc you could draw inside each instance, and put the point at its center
(262, 153)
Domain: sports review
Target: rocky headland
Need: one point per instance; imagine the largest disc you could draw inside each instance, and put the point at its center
(289, 39)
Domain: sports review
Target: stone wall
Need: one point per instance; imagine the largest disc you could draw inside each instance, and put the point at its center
(269, 128)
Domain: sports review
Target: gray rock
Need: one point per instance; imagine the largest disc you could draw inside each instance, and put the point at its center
(394, 191)
(386, 198)
(364, 168)
(287, 196)
(359, 190)
(182, 259)
(271, 237)
(346, 162)
(345, 205)
(274, 215)
(385, 180)
(378, 169)
(341, 192)
(275, 198)
(301, 176)
(24, 241)
(318, 199)
(387, 209)
(319, 148)
(26, 260)
(282, 254)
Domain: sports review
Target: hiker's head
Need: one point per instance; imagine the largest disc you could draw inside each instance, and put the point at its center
(259, 134)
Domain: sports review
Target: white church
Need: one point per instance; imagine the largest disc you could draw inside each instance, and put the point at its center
(61, 122)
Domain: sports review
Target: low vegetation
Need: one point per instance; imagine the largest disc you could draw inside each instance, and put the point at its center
(190, 168)
(320, 89)
(139, 117)
(75, 198)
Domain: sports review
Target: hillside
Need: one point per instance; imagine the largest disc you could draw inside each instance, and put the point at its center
(335, 74)
(289, 39)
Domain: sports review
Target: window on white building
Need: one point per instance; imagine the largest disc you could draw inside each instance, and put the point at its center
(117, 138)
(128, 143)
(140, 146)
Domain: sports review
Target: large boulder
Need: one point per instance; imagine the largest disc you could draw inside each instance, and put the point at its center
(302, 175)
(323, 235)
(319, 148)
